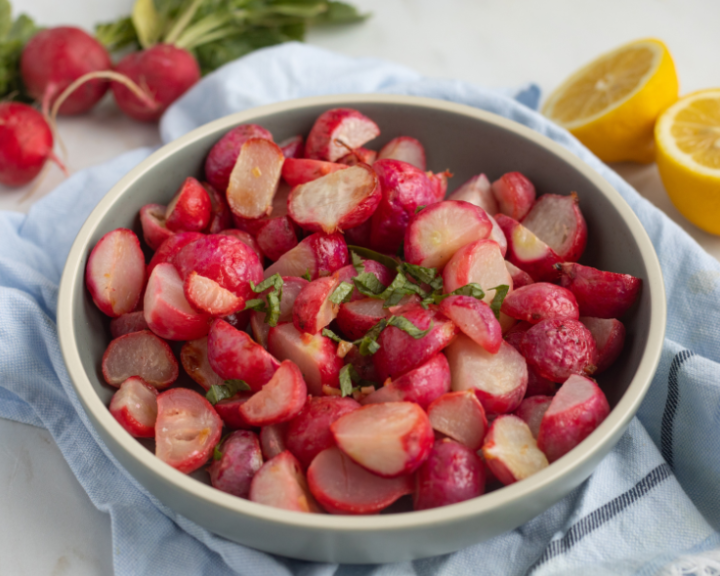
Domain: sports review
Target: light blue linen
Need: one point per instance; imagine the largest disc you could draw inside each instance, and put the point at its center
(652, 502)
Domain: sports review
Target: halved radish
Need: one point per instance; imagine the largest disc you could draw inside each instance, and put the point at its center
(438, 231)
(115, 273)
(558, 222)
(128, 323)
(480, 262)
(255, 178)
(531, 411)
(292, 286)
(475, 319)
(170, 247)
(609, 336)
(499, 380)
(541, 301)
(293, 147)
(516, 333)
(220, 215)
(241, 459)
(280, 483)
(303, 170)
(539, 385)
(337, 130)
(358, 156)
(313, 310)
(233, 355)
(575, 411)
(515, 194)
(452, 473)
(519, 277)
(140, 354)
(223, 155)
(511, 451)
(477, 191)
(343, 487)
(439, 183)
(206, 295)
(194, 359)
(498, 236)
(357, 317)
(134, 405)
(167, 311)
(152, 220)
(308, 433)
(314, 354)
(528, 252)
(384, 275)
(317, 255)
(229, 410)
(461, 416)
(190, 209)
(186, 430)
(246, 238)
(337, 201)
(405, 148)
(272, 440)
(280, 400)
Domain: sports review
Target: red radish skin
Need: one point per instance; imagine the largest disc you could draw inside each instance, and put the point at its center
(600, 294)
(359, 156)
(54, 58)
(314, 354)
(557, 221)
(194, 359)
(475, 319)
(477, 191)
(515, 194)
(246, 238)
(335, 202)
(541, 301)
(169, 248)
(187, 429)
(519, 277)
(452, 473)
(297, 171)
(134, 406)
(140, 354)
(498, 236)
(313, 309)
(127, 324)
(528, 252)
(422, 385)
(460, 416)
(241, 459)
(357, 317)
(292, 286)
(228, 410)
(293, 147)
(318, 255)
(389, 439)
(532, 410)
(577, 409)
(435, 233)
(272, 440)
(359, 235)
(239, 320)
(280, 483)
(165, 71)
(234, 356)
(515, 334)
(167, 311)
(510, 450)
(206, 295)
(343, 487)
(399, 352)
(480, 262)
(220, 215)
(337, 130)
(115, 273)
(277, 237)
(609, 336)
(498, 380)
(404, 188)
(538, 385)
(439, 184)
(190, 210)
(308, 433)
(556, 349)
(155, 230)
(405, 148)
(384, 275)
(254, 178)
(223, 155)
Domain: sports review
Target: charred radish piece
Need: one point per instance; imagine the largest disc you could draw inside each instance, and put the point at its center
(134, 406)
(600, 294)
(127, 324)
(541, 301)
(609, 336)
(139, 354)
(528, 252)
(515, 194)
(337, 130)
(223, 155)
(532, 410)
(280, 483)
(407, 149)
(475, 319)
(510, 450)
(297, 171)
(190, 210)
(240, 458)
(481, 263)
(254, 178)
(194, 359)
(460, 416)
(557, 221)
(169, 248)
(477, 191)
(317, 255)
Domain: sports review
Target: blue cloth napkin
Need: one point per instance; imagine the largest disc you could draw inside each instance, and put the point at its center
(651, 505)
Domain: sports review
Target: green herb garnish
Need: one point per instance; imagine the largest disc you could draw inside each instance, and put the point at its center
(226, 390)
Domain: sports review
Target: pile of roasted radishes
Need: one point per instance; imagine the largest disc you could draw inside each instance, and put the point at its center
(358, 337)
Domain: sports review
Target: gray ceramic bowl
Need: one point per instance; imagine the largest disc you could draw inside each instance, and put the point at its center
(467, 141)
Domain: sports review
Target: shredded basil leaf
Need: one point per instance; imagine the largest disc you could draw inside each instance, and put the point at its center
(357, 262)
(367, 345)
(217, 455)
(330, 334)
(274, 281)
(408, 327)
(500, 293)
(307, 275)
(387, 261)
(420, 208)
(342, 293)
(423, 275)
(346, 385)
(227, 390)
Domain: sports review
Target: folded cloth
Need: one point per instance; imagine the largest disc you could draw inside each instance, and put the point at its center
(652, 503)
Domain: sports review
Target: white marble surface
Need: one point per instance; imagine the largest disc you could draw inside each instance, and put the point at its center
(47, 523)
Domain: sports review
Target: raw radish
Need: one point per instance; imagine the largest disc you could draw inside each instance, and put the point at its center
(575, 411)
(479, 262)
(128, 323)
(134, 406)
(186, 430)
(254, 178)
(532, 410)
(165, 71)
(609, 336)
(54, 58)
(190, 210)
(475, 319)
(600, 294)
(240, 459)
(272, 440)
(115, 273)
(477, 191)
(337, 130)
(155, 230)
(541, 301)
(343, 487)
(510, 450)
(461, 416)
(167, 251)
(407, 149)
(515, 194)
(223, 155)
(528, 252)
(313, 309)
(194, 359)
(140, 354)
(317, 255)
(389, 439)
(557, 221)
(296, 171)
(280, 483)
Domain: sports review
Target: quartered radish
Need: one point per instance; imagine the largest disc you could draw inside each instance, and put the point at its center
(313, 310)
(293, 147)
(439, 184)
(186, 430)
(388, 439)
(479, 262)
(115, 273)
(296, 171)
(308, 433)
(358, 156)
(510, 450)
(128, 323)
(279, 400)
(461, 416)
(223, 155)
(140, 354)
(532, 410)
(539, 385)
(498, 236)
(355, 318)
(280, 483)
(475, 319)
(292, 286)
(233, 355)
(220, 215)
(343, 487)
(246, 238)
(499, 380)
(575, 411)
(169, 248)
(609, 336)
(337, 201)
(557, 221)
(384, 275)
(190, 209)
(272, 440)
(206, 295)
(229, 410)
(541, 301)
(194, 359)
(519, 277)
(407, 149)
(337, 130)
(254, 178)
(528, 252)
(477, 191)
(452, 473)
(134, 406)
(515, 194)
(241, 458)
(317, 255)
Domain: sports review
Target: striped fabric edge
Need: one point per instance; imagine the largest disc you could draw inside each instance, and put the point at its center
(671, 406)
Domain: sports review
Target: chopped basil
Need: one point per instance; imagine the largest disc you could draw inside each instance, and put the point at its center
(423, 275)
(271, 304)
(500, 293)
(330, 334)
(342, 293)
(217, 455)
(227, 390)
(420, 208)
(368, 345)
(346, 385)
(307, 275)
(387, 261)
(408, 327)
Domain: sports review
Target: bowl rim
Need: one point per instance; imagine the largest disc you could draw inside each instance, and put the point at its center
(542, 481)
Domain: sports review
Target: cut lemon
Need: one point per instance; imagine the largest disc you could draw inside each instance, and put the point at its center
(611, 104)
(687, 136)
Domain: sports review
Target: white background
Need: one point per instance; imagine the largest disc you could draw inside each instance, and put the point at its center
(47, 524)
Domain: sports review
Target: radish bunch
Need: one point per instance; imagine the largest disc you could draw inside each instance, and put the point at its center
(451, 347)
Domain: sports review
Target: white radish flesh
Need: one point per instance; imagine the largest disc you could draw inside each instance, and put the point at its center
(280, 483)
(557, 221)
(254, 178)
(280, 400)
(134, 405)
(460, 416)
(405, 148)
(511, 451)
(140, 354)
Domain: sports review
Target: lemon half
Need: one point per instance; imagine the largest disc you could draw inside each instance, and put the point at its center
(611, 104)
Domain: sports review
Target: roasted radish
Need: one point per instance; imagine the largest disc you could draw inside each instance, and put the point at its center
(194, 359)
(461, 416)
(128, 323)
(254, 178)
(190, 210)
(479, 262)
(515, 194)
(357, 317)
(532, 410)
(600, 294)
(240, 459)
(169, 248)
(134, 406)
(272, 440)
(303, 170)
(541, 301)
(152, 220)
(609, 336)
(405, 148)
(477, 191)
(510, 450)
(337, 130)
(313, 308)
(140, 354)
(223, 155)
(475, 319)
(280, 483)
(528, 252)
(317, 255)
(557, 221)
